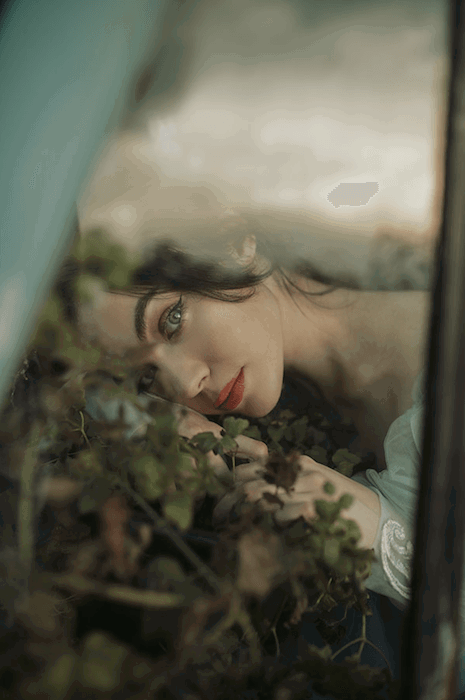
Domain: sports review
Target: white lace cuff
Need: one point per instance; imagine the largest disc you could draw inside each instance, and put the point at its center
(396, 556)
(393, 546)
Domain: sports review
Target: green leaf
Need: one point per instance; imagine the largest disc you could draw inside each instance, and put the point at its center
(352, 530)
(345, 468)
(287, 414)
(167, 569)
(253, 432)
(178, 508)
(87, 463)
(163, 425)
(101, 662)
(276, 433)
(235, 426)
(59, 675)
(329, 488)
(94, 493)
(87, 287)
(185, 464)
(326, 510)
(322, 652)
(118, 277)
(344, 565)
(149, 474)
(87, 504)
(141, 669)
(315, 542)
(331, 550)
(346, 501)
(205, 441)
(297, 430)
(343, 455)
(319, 454)
(228, 444)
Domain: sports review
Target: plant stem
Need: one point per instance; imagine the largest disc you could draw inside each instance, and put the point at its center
(278, 651)
(364, 635)
(276, 617)
(228, 621)
(26, 510)
(83, 431)
(316, 604)
(164, 527)
(242, 616)
(251, 635)
(365, 641)
(80, 585)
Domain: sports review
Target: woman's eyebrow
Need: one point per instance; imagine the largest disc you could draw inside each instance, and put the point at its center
(139, 315)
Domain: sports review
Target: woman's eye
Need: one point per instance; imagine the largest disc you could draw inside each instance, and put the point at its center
(173, 321)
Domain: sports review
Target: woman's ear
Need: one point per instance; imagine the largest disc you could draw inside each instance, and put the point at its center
(243, 250)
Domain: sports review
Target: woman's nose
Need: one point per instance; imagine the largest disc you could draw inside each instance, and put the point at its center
(186, 376)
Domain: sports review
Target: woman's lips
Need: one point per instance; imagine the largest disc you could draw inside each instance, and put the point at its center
(231, 396)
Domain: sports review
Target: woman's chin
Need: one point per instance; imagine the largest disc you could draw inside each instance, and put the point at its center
(258, 408)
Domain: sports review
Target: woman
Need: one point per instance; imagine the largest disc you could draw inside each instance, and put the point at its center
(363, 349)
(217, 340)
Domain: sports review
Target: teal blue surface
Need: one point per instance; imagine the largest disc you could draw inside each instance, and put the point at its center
(67, 78)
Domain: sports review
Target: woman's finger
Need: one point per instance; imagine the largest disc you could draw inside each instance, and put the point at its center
(293, 511)
(191, 423)
(225, 506)
(249, 472)
(253, 449)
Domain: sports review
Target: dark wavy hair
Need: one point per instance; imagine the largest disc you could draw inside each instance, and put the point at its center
(170, 267)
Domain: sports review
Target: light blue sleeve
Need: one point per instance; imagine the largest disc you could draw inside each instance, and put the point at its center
(397, 488)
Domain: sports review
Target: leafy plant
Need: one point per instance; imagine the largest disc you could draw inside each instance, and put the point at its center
(214, 619)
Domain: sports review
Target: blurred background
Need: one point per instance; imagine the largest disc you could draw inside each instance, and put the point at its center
(285, 110)
(320, 123)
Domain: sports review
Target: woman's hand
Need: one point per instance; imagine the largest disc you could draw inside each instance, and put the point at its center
(308, 487)
(191, 423)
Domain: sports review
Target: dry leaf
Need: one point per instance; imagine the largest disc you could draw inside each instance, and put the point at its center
(259, 562)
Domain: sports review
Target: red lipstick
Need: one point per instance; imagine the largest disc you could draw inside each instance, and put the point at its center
(231, 396)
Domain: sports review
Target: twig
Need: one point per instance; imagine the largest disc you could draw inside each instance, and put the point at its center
(80, 585)
(83, 432)
(242, 616)
(313, 607)
(365, 641)
(81, 429)
(364, 634)
(224, 624)
(163, 527)
(278, 651)
(251, 635)
(26, 503)
(276, 618)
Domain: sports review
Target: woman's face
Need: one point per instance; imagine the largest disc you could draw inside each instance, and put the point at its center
(212, 356)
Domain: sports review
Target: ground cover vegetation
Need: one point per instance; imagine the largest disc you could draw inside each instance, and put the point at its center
(115, 583)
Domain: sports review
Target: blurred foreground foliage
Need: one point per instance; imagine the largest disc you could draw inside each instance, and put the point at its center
(124, 519)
